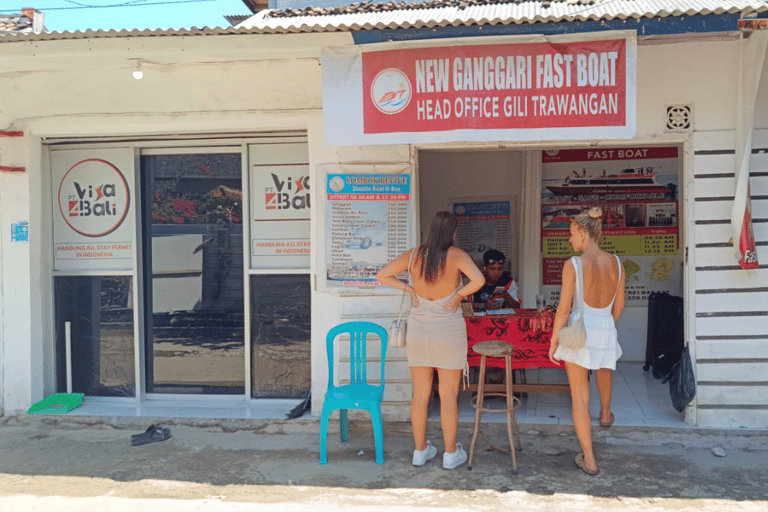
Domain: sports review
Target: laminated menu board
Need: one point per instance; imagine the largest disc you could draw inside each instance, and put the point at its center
(367, 221)
(637, 190)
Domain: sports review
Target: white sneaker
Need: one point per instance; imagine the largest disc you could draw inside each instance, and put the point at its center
(455, 459)
(420, 457)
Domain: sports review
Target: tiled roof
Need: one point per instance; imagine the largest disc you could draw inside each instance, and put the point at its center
(442, 13)
(236, 19)
(15, 24)
(366, 7)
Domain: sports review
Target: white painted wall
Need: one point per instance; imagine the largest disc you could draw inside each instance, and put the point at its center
(15, 289)
(761, 105)
(729, 349)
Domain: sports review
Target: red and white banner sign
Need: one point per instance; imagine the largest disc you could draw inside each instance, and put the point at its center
(551, 89)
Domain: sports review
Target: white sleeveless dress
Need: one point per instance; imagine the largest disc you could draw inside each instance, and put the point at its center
(602, 348)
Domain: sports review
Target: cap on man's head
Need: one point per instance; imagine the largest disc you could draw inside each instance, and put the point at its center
(493, 256)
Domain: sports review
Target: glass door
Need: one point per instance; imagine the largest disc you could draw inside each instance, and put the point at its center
(193, 277)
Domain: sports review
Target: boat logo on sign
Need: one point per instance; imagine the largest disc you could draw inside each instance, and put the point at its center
(391, 91)
(94, 197)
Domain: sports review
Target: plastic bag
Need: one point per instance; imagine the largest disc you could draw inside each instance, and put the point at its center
(682, 384)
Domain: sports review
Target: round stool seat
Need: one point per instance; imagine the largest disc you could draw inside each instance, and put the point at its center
(493, 348)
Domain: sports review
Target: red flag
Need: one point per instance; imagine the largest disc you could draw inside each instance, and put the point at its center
(747, 238)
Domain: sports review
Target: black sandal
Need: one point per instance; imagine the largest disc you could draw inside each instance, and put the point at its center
(154, 433)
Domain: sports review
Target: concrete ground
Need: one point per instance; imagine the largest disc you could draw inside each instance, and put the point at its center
(66, 463)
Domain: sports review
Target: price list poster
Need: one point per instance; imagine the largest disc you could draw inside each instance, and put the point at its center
(367, 220)
(637, 191)
(483, 225)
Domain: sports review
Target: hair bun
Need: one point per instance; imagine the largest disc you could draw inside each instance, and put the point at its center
(595, 212)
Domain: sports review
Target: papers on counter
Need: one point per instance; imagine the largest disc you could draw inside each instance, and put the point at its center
(503, 311)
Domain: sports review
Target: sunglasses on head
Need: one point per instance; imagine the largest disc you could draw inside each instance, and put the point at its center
(493, 262)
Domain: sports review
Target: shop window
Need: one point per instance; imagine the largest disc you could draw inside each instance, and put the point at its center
(100, 312)
(280, 335)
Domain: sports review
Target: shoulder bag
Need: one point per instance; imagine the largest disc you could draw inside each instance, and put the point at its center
(398, 327)
(574, 337)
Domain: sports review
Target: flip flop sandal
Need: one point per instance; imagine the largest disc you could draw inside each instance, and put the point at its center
(608, 423)
(579, 460)
(153, 434)
(146, 432)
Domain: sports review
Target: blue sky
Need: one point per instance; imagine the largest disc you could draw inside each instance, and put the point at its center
(71, 15)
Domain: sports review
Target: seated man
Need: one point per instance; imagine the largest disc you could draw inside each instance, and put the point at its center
(500, 290)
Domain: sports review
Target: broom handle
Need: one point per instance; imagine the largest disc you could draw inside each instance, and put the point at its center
(68, 347)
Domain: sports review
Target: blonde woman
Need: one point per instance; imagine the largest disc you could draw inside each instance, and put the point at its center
(603, 297)
(437, 335)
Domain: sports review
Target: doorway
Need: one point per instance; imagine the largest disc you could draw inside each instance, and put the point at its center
(193, 279)
(653, 265)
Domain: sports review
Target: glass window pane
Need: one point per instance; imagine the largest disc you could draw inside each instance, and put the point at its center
(280, 336)
(100, 310)
(194, 288)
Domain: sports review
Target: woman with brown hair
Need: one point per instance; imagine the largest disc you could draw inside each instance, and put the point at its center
(603, 299)
(437, 335)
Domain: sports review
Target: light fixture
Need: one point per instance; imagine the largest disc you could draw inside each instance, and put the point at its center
(138, 74)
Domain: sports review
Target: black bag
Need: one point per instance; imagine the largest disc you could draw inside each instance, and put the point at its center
(682, 385)
(665, 333)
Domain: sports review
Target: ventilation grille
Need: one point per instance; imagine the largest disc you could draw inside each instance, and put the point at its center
(679, 118)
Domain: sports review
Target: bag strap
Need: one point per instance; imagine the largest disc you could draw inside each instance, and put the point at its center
(402, 297)
(579, 283)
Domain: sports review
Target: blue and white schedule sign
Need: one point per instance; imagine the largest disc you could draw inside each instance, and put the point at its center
(367, 225)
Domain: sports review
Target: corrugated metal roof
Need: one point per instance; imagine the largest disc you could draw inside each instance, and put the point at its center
(384, 16)
(456, 13)
(115, 34)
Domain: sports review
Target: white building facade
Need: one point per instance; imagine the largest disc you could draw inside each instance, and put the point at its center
(197, 280)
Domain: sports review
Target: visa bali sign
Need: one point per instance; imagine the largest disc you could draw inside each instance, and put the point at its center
(555, 89)
(94, 197)
(92, 229)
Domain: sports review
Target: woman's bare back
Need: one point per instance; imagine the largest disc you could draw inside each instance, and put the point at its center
(446, 284)
(601, 278)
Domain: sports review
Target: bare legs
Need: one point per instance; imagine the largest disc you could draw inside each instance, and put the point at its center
(422, 389)
(582, 423)
(449, 406)
(450, 381)
(604, 381)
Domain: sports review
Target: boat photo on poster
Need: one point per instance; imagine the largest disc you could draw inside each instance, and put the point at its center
(637, 189)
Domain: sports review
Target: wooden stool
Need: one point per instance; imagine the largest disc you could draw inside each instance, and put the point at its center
(496, 349)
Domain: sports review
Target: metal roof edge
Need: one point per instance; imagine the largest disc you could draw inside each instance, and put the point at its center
(369, 32)
(118, 34)
(657, 26)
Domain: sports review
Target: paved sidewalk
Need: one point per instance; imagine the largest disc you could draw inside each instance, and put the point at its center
(87, 463)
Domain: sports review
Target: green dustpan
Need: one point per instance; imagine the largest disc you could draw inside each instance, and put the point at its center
(58, 403)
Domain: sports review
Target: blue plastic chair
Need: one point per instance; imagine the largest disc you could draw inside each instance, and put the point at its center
(359, 394)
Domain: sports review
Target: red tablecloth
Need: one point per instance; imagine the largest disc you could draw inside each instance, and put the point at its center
(528, 330)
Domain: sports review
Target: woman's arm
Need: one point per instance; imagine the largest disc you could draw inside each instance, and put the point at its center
(564, 307)
(388, 272)
(618, 304)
